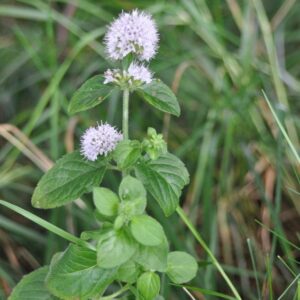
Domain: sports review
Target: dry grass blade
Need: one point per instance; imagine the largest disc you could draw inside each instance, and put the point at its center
(236, 12)
(282, 13)
(20, 141)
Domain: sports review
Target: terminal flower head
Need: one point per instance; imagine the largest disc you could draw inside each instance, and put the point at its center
(134, 32)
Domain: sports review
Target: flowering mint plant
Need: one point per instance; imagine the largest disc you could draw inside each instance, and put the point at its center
(130, 250)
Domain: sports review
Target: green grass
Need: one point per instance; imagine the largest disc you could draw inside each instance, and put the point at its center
(241, 145)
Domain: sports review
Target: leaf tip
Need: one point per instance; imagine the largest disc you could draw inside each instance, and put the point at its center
(71, 109)
(35, 202)
(177, 113)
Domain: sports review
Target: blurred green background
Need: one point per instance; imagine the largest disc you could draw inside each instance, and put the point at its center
(218, 56)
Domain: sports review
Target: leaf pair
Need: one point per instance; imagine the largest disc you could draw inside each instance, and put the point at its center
(117, 245)
(75, 274)
(94, 91)
(130, 202)
(145, 242)
(72, 176)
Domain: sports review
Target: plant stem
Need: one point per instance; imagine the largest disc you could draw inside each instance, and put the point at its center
(197, 236)
(125, 113)
(125, 118)
(117, 293)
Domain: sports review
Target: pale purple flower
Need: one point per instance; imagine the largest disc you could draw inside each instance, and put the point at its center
(139, 72)
(109, 76)
(136, 75)
(133, 32)
(99, 140)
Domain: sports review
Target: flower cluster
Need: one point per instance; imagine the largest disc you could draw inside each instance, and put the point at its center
(136, 75)
(99, 140)
(139, 73)
(133, 32)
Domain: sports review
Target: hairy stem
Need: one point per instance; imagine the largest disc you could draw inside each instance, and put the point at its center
(197, 236)
(125, 113)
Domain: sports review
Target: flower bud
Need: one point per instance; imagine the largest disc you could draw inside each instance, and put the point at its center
(154, 144)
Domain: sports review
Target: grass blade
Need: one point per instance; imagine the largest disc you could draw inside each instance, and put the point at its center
(206, 292)
(282, 129)
(58, 231)
(278, 235)
(289, 286)
(214, 260)
(254, 267)
(22, 12)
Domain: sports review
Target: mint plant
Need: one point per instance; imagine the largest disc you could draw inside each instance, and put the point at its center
(130, 250)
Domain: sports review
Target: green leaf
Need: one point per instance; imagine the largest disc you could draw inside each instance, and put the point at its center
(127, 153)
(90, 94)
(147, 231)
(32, 286)
(160, 96)
(119, 222)
(128, 272)
(106, 201)
(153, 257)
(182, 267)
(133, 194)
(148, 285)
(70, 177)
(164, 178)
(115, 248)
(131, 189)
(75, 274)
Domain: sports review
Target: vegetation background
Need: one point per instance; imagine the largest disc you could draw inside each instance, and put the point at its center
(218, 56)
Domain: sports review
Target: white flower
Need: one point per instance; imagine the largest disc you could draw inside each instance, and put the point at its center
(139, 72)
(133, 32)
(136, 75)
(109, 75)
(99, 140)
